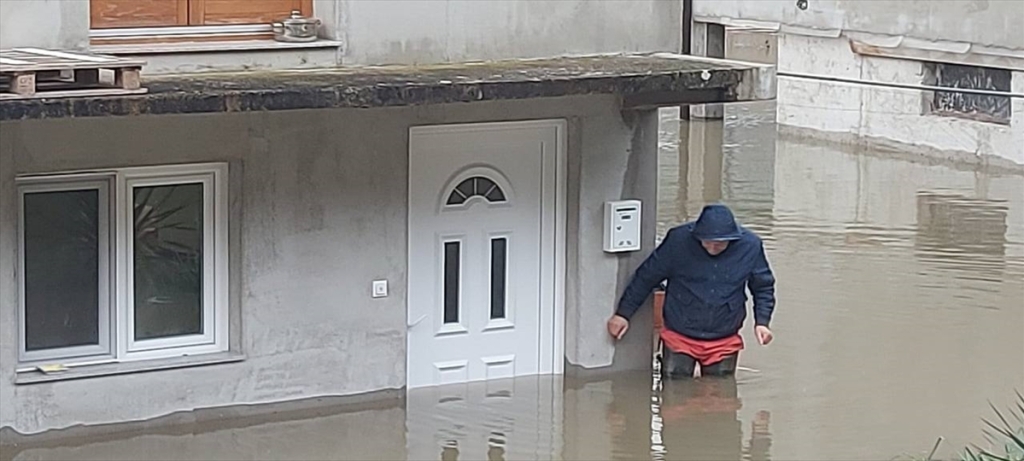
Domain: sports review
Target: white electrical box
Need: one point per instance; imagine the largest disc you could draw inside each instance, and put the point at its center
(380, 288)
(622, 226)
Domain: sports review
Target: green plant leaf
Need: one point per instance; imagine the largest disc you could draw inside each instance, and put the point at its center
(998, 413)
(144, 196)
(155, 219)
(1007, 433)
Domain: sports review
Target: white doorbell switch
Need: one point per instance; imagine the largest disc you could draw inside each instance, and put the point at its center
(380, 288)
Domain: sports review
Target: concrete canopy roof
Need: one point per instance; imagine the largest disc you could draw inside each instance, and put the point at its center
(641, 80)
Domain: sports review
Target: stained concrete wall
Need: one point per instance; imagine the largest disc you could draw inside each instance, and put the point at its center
(322, 209)
(397, 31)
(44, 23)
(809, 42)
(880, 115)
(410, 31)
(985, 22)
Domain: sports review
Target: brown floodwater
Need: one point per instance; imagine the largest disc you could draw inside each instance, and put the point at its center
(899, 320)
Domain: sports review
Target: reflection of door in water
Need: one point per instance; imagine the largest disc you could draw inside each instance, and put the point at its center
(496, 420)
(482, 245)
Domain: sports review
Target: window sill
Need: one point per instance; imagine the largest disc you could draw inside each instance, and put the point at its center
(210, 47)
(120, 368)
(972, 117)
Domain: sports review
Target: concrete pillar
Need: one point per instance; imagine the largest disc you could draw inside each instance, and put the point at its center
(707, 140)
(635, 351)
(10, 138)
(708, 40)
(682, 189)
(616, 159)
(703, 180)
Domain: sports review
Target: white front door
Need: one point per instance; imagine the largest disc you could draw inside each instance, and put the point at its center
(485, 235)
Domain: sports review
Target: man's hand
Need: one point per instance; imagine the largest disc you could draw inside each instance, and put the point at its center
(764, 335)
(617, 326)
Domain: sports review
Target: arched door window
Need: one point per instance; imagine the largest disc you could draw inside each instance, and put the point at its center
(476, 186)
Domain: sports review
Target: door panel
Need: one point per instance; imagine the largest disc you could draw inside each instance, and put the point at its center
(221, 12)
(105, 14)
(479, 204)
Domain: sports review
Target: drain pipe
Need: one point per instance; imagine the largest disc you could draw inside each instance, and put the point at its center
(687, 42)
(686, 46)
(905, 86)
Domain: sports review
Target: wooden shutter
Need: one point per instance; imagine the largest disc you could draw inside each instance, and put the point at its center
(106, 14)
(214, 12)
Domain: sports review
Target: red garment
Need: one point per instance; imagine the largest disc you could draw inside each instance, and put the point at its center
(706, 352)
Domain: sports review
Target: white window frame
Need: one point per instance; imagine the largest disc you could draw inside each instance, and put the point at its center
(106, 274)
(119, 320)
(179, 31)
(459, 327)
(508, 321)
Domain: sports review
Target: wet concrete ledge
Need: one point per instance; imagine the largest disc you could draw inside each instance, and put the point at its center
(202, 420)
(642, 80)
(914, 153)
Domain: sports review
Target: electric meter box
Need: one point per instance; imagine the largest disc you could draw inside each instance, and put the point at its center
(622, 226)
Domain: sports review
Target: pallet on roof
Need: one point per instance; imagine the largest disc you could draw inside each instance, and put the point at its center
(30, 73)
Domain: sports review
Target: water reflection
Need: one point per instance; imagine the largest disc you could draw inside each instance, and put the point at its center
(673, 420)
(700, 421)
(901, 306)
(901, 290)
(955, 231)
(621, 417)
(503, 419)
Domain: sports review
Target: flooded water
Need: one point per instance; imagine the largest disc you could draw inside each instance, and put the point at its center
(900, 317)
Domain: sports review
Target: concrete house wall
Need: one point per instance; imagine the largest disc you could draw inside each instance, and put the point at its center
(888, 117)
(359, 32)
(318, 211)
(993, 23)
(318, 204)
(818, 41)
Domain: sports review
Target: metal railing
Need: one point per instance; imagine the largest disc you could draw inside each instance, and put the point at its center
(905, 86)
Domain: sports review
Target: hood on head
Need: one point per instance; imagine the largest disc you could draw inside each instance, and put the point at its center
(716, 222)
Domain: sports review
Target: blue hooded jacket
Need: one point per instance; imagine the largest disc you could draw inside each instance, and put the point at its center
(705, 297)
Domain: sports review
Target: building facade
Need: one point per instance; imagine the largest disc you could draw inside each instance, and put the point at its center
(279, 221)
(867, 73)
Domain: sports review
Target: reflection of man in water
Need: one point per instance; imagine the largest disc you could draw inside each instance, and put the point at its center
(708, 264)
(700, 421)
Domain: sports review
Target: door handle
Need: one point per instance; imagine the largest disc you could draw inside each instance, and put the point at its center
(417, 322)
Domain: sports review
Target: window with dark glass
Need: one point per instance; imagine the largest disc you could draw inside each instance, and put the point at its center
(452, 263)
(499, 274)
(62, 236)
(992, 108)
(172, 240)
(168, 260)
(477, 186)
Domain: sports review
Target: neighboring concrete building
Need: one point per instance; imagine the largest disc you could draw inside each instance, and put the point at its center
(823, 47)
(250, 236)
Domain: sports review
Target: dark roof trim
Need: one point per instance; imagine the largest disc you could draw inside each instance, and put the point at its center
(643, 81)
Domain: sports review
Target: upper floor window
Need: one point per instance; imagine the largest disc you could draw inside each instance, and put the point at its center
(980, 107)
(118, 14)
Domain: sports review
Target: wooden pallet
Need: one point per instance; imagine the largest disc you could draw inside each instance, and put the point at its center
(27, 73)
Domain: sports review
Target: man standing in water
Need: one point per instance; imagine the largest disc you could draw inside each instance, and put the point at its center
(708, 264)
